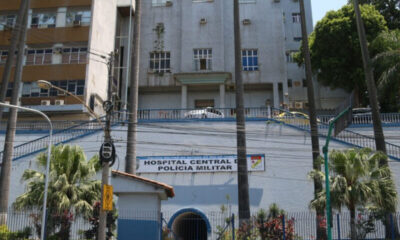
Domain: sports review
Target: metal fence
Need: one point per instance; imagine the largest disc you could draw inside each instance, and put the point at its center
(346, 136)
(196, 225)
(293, 119)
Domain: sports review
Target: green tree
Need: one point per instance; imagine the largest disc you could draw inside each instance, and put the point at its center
(71, 187)
(335, 48)
(386, 49)
(390, 9)
(358, 181)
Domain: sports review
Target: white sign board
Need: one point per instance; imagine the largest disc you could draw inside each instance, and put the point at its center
(193, 164)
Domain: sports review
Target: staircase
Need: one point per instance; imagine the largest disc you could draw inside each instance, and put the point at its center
(61, 137)
(347, 137)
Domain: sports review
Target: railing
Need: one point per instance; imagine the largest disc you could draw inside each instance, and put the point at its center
(346, 136)
(361, 119)
(87, 127)
(192, 225)
(59, 136)
(184, 115)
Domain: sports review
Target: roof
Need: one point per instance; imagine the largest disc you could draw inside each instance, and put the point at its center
(169, 189)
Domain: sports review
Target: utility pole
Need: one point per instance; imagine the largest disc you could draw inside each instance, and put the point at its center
(373, 101)
(130, 159)
(321, 233)
(243, 181)
(108, 107)
(369, 78)
(12, 119)
(11, 53)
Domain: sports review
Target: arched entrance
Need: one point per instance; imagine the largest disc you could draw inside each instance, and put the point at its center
(190, 224)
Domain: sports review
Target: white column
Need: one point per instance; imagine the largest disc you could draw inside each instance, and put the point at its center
(276, 94)
(184, 97)
(285, 94)
(61, 19)
(30, 18)
(222, 95)
(57, 56)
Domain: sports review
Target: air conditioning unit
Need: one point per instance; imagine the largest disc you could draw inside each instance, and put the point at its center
(45, 102)
(57, 50)
(77, 23)
(8, 27)
(203, 21)
(246, 21)
(59, 102)
(7, 102)
(42, 26)
(168, 3)
(298, 105)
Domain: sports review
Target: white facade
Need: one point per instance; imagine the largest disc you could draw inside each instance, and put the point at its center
(180, 28)
(287, 153)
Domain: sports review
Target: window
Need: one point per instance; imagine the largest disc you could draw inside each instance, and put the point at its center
(304, 83)
(160, 62)
(75, 87)
(7, 21)
(39, 56)
(296, 17)
(78, 17)
(158, 3)
(202, 59)
(3, 56)
(290, 83)
(290, 56)
(43, 20)
(9, 89)
(250, 60)
(74, 55)
(297, 39)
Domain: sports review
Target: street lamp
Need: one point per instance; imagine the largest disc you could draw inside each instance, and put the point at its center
(107, 150)
(46, 181)
(43, 84)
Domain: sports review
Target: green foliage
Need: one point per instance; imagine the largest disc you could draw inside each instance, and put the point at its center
(358, 180)
(386, 49)
(335, 48)
(390, 9)
(6, 234)
(94, 222)
(72, 190)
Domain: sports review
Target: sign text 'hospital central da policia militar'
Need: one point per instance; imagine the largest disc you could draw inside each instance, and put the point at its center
(192, 164)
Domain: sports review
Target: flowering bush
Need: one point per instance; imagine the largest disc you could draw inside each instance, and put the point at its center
(272, 228)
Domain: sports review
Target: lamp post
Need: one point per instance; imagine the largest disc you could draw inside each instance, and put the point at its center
(107, 146)
(44, 84)
(46, 181)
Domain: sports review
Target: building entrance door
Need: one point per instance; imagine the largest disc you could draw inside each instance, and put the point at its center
(190, 226)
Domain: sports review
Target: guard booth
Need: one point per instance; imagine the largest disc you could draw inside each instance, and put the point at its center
(139, 206)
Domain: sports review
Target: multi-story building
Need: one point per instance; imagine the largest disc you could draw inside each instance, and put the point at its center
(187, 57)
(187, 54)
(67, 44)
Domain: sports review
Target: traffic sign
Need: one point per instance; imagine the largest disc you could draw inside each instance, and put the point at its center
(107, 197)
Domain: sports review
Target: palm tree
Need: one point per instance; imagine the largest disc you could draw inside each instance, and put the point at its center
(386, 48)
(358, 181)
(71, 184)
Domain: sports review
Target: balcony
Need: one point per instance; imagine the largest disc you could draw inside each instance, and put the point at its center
(36, 101)
(56, 72)
(12, 5)
(50, 35)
